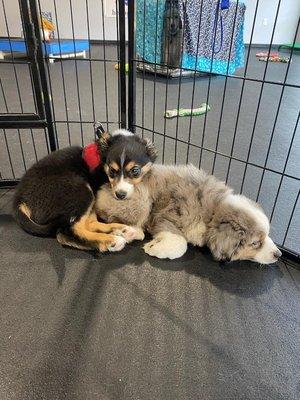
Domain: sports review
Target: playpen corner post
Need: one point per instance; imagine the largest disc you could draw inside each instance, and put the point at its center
(40, 60)
(131, 67)
(122, 61)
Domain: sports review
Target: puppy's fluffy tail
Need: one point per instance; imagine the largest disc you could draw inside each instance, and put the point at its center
(23, 219)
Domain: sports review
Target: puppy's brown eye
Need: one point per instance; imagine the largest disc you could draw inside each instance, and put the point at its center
(256, 244)
(135, 172)
(112, 172)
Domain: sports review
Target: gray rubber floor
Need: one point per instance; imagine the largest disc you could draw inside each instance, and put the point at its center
(80, 326)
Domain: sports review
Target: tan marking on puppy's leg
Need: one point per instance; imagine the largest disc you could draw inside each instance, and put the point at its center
(129, 233)
(102, 241)
(95, 226)
(25, 210)
(66, 241)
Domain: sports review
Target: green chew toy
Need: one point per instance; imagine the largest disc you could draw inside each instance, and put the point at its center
(185, 112)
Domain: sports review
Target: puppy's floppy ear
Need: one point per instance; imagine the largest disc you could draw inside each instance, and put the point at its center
(224, 238)
(150, 149)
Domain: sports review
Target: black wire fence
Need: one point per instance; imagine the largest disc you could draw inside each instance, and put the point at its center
(249, 138)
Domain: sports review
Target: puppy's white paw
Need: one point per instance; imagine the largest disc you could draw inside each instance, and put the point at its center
(130, 233)
(139, 234)
(166, 245)
(118, 244)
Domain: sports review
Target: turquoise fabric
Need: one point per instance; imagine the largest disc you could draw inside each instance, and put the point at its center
(149, 29)
(205, 64)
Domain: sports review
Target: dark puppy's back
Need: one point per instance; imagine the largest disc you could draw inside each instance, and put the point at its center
(55, 190)
(58, 162)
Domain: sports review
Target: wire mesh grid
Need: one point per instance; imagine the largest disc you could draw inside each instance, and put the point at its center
(82, 89)
(249, 138)
(89, 88)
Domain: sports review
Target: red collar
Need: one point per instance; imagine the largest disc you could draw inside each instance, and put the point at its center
(92, 156)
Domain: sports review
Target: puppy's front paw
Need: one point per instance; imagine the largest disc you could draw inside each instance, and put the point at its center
(130, 233)
(166, 245)
(118, 244)
(139, 234)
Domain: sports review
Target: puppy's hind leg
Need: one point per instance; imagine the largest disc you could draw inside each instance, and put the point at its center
(100, 241)
(166, 244)
(69, 241)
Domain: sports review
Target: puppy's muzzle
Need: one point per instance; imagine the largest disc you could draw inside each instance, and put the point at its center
(277, 254)
(120, 194)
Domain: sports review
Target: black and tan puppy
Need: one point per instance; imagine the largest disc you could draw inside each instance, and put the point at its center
(55, 197)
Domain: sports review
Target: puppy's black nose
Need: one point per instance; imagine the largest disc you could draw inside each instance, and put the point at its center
(277, 253)
(121, 195)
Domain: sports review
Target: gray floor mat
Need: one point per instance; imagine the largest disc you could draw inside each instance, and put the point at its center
(126, 326)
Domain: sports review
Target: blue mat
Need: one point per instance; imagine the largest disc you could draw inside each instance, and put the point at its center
(55, 47)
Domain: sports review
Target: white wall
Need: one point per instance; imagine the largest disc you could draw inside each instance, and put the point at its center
(286, 24)
(63, 21)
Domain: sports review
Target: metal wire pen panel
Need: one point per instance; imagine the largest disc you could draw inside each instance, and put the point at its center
(250, 137)
(77, 69)
(12, 69)
(86, 87)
